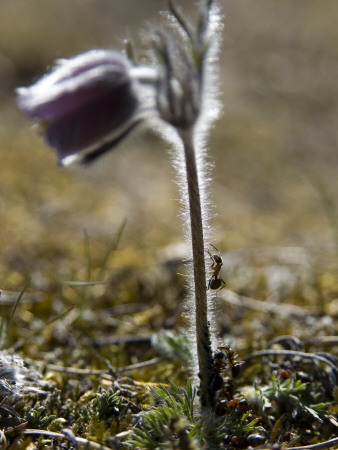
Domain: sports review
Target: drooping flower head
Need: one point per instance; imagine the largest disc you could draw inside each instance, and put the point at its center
(86, 105)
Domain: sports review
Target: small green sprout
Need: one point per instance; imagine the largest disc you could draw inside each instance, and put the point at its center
(38, 417)
(109, 404)
(294, 398)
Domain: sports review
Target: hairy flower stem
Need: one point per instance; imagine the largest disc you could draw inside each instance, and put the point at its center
(204, 352)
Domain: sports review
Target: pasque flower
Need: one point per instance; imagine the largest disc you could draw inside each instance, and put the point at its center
(90, 102)
(86, 105)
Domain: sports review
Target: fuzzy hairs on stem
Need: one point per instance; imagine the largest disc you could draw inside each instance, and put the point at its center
(187, 99)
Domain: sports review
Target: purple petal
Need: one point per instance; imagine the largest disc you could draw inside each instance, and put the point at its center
(87, 104)
(75, 83)
(91, 123)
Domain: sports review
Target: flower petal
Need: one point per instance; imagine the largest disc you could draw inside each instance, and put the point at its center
(74, 83)
(89, 124)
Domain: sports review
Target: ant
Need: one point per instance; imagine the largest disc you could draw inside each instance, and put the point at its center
(217, 380)
(239, 403)
(235, 365)
(215, 281)
(224, 360)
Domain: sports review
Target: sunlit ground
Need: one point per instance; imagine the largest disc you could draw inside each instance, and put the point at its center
(273, 189)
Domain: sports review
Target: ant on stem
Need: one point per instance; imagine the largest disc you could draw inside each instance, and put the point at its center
(215, 281)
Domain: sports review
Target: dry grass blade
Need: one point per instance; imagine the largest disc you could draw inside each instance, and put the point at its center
(266, 307)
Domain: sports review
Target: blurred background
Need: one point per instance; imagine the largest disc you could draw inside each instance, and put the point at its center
(274, 149)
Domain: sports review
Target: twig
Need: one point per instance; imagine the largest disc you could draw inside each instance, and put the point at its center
(321, 445)
(11, 297)
(68, 436)
(292, 353)
(78, 371)
(140, 365)
(122, 340)
(266, 307)
(323, 340)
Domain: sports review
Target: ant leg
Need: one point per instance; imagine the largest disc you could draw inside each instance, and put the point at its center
(224, 284)
(214, 248)
(212, 260)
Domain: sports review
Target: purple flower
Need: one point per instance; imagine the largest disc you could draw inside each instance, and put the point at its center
(86, 105)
